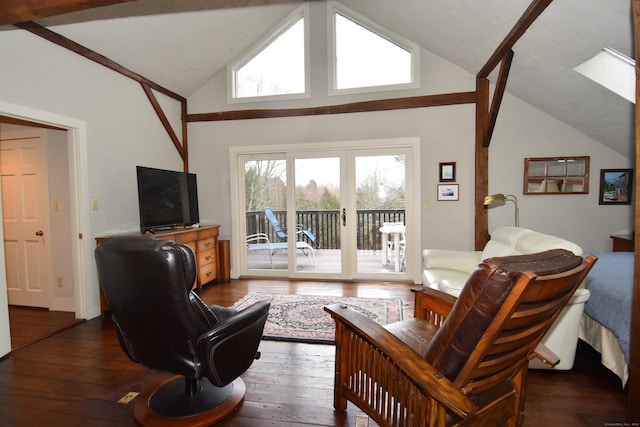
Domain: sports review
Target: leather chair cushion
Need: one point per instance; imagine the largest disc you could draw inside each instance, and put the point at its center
(482, 296)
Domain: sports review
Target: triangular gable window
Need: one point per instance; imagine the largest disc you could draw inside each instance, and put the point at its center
(366, 56)
(277, 67)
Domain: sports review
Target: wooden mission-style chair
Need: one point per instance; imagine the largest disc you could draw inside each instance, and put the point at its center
(457, 362)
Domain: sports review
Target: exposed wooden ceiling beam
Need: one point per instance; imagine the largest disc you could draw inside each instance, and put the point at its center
(528, 17)
(15, 11)
(66, 43)
(354, 107)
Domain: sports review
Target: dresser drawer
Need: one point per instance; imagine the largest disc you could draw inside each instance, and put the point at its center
(186, 237)
(206, 244)
(206, 257)
(208, 232)
(207, 273)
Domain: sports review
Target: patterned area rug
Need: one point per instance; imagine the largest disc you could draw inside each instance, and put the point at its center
(302, 318)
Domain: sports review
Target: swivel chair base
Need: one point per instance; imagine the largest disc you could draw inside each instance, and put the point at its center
(170, 402)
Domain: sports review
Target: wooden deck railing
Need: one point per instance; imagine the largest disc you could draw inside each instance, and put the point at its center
(325, 225)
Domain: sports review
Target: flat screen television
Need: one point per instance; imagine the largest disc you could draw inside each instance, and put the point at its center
(167, 199)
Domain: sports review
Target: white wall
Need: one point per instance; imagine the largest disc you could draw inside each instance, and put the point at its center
(447, 135)
(122, 130)
(523, 131)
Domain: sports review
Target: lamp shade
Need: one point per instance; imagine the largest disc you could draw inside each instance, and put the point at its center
(494, 198)
(500, 198)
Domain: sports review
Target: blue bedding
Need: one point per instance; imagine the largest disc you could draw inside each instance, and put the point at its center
(610, 282)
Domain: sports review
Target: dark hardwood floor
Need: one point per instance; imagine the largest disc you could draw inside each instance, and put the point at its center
(75, 377)
(29, 325)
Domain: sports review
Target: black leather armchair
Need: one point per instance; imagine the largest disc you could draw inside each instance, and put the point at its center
(162, 324)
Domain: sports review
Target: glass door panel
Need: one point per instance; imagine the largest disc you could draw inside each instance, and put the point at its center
(265, 201)
(380, 197)
(317, 215)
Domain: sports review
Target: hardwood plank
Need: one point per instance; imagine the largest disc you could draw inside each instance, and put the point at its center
(76, 376)
(28, 325)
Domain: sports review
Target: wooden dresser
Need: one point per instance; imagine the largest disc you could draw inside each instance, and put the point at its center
(202, 240)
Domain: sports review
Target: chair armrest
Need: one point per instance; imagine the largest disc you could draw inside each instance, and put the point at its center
(218, 348)
(425, 377)
(432, 305)
(546, 355)
(257, 238)
(465, 261)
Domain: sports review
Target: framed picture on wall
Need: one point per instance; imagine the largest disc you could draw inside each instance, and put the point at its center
(448, 172)
(447, 191)
(615, 186)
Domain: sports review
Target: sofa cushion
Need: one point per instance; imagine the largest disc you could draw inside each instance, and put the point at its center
(535, 242)
(503, 242)
(465, 261)
(517, 241)
(448, 281)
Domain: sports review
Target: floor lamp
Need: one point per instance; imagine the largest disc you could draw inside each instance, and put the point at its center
(501, 199)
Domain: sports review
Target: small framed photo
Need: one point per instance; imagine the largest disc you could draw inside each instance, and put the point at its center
(448, 172)
(447, 191)
(615, 186)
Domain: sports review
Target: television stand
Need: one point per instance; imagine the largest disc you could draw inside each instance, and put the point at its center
(202, 240)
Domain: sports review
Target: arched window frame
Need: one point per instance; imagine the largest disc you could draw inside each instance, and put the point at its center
(300, 13)
(334, 8)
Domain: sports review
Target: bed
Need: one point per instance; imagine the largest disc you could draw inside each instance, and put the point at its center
(606, 322)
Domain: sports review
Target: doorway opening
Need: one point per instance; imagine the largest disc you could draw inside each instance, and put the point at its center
(322, 211)
(84, 296)
(37, 230)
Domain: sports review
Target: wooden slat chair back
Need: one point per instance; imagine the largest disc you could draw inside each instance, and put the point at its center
(460, 365)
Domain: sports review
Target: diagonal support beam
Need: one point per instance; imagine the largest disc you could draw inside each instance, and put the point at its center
(147, 84)
(165, 122)
(486, 119)
(530, 15)
(498, 94)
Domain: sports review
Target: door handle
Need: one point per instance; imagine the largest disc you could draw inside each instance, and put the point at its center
(39, 233)
(344, 217)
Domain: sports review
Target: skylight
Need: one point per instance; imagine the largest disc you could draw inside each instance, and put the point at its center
(613, 70)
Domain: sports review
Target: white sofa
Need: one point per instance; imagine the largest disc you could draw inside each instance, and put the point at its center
(448, 271)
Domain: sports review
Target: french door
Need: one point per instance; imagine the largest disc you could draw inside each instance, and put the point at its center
(318, 211)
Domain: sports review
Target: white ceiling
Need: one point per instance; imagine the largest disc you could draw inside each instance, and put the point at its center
(181, 45)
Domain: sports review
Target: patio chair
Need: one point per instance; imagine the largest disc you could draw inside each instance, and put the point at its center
(260, 241)
(391, 244)
(281, 233)
(457, 362)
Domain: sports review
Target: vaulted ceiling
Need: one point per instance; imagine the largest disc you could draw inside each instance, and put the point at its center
(181, 45)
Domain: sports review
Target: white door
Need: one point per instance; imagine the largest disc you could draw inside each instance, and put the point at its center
(25, 198)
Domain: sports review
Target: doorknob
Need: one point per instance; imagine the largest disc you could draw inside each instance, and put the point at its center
(344, 217)
(39, 233)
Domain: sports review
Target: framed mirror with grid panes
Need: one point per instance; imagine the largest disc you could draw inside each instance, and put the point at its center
(556, 175)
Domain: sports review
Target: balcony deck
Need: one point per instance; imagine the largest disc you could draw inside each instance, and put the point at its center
(326, 261)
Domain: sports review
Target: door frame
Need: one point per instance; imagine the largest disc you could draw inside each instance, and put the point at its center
(413, 222)
(86, 298)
